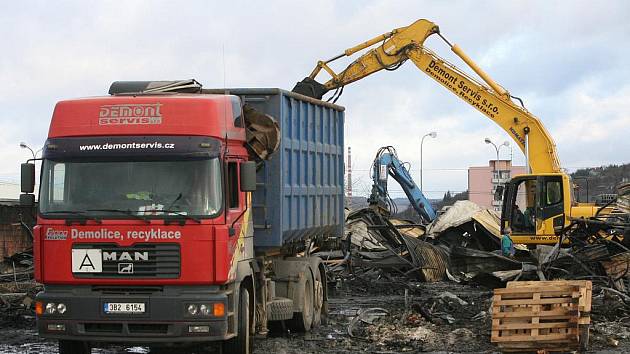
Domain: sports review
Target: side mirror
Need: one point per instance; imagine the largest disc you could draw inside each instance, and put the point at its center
(28, 177)
(27, 200)
(248, 176)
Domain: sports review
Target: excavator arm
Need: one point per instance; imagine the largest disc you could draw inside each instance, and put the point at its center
(387, 163)
(546, 188)
(491, 99)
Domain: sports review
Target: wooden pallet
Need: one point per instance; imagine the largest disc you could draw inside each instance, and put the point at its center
(541, 316)
(586, 294)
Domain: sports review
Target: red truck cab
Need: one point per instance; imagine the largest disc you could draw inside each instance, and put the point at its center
(134, 239)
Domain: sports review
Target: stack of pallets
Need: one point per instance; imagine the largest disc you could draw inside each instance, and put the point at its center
(547, 316)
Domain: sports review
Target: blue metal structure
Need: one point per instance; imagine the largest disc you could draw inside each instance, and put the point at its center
(387, 163)
(299, 190)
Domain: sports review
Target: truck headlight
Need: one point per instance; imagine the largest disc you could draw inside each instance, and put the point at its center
(205, 310)
(193, 309)
(51, 308)
(61, 308)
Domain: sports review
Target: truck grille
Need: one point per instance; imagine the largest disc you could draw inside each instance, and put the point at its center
(162, 261)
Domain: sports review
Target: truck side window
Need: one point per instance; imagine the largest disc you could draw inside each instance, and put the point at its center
(237, 112)
(232, 185)
(59, 177)
(554, 192)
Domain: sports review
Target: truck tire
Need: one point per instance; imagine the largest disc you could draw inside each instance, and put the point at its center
(280, 309)
(74, 347)
(318, 298)
(243, 342)
(302, 321)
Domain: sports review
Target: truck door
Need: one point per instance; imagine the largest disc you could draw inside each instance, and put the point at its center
(234, 201)
(519, 202)
(550, 205)
(506, 215)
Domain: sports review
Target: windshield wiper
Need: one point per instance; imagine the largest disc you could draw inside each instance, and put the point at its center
(126, 212)
(179, 196)
(175, 212)
(74, 212)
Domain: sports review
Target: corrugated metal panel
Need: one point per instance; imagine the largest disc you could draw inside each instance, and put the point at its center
(300, 191)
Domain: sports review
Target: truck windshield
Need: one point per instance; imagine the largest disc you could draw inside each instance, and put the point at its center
(123, 189)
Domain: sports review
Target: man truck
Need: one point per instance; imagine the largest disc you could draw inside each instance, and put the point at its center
(165, 216)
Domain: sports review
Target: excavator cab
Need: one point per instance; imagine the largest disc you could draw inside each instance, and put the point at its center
(534, 208)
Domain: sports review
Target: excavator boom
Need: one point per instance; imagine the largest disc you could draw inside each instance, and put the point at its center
(537, 205)
(387, 163)
(524, 128)
(389, 55)
(407, 43)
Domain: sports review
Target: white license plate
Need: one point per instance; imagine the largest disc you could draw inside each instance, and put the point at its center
(123, 307)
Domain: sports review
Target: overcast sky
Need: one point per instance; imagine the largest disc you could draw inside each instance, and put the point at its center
(568, 60)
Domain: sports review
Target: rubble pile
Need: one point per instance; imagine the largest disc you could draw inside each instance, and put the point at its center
(446, 271)
(376, 246)
(463, 245)
(468, 225)
(17, 289)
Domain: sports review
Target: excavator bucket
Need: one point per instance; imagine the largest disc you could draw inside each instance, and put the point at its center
(311, 88)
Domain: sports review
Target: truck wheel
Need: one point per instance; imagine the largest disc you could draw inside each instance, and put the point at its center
(302, 321)
(318, 299)
(74, 347)
(243, 342)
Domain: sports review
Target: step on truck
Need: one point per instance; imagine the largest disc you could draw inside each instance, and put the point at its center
(169, 215)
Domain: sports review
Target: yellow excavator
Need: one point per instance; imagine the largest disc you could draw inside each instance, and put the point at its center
(538, 206)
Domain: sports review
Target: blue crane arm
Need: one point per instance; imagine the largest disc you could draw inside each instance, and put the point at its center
(392, 166)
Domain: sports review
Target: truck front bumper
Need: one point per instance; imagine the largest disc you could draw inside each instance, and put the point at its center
(165, 318)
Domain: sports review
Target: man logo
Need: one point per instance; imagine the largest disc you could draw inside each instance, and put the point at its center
(125, 268)
(126, 256)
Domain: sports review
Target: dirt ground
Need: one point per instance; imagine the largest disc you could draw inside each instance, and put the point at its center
(437, 317)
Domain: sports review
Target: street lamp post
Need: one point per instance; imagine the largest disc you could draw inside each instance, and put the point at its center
(433, 135)
(34, 153)
(24, 146)
(497, 148)
(494, 167)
